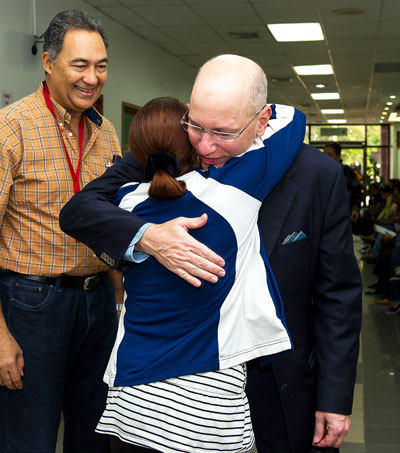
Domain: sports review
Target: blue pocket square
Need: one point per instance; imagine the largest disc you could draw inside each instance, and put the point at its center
(295, 236)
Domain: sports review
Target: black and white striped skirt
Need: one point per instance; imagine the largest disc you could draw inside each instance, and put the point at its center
(206, 412)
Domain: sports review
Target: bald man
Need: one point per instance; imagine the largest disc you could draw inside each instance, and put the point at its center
(303, 400)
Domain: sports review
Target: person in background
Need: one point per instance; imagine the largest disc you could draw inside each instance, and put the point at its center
(354, 191)
(58, 315)
(302, 400)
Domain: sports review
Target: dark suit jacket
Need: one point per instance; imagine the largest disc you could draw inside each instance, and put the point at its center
(317, 276)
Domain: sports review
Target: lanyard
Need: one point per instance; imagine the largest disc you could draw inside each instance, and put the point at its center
(74, 174)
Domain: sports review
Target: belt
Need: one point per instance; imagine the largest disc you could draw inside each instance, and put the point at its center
(84, 282)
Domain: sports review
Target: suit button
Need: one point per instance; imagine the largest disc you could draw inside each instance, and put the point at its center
(284, 388)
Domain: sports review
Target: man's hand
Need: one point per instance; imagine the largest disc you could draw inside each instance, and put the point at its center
(330, 429)
(174, 248)
(11, 362)
(354, 215)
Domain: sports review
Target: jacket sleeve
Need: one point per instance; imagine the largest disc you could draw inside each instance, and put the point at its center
(337, 306)
(91, 217)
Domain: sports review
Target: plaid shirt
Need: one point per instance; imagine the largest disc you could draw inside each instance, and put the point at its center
(36, 183)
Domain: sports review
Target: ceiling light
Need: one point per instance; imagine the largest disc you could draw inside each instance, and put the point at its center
(320, 85)
(297, 32)
(386, 108)
(389, 103)
(325, 96)
(384, 113)
(314, 69)
(331, 111)
(338, 121)
(392, 96)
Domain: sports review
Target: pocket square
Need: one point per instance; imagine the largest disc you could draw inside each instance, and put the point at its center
(295, 236)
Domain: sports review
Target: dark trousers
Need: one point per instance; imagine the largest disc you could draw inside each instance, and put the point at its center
(267, 417)
(66, 336)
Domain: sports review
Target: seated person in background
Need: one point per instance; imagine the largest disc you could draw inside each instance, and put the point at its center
(353, 185)
(384, 213)
(169, 328)
(385, 217)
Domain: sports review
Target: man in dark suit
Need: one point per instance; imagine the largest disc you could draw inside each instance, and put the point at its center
(305, 397)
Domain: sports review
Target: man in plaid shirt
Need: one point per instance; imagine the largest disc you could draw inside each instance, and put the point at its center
(57, 314)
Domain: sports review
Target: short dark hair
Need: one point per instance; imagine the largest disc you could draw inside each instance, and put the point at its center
(156, 128)
(336, 147)
(72, 19)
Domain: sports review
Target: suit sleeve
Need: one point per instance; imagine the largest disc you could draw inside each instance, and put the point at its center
(337, 306)
(92, 218)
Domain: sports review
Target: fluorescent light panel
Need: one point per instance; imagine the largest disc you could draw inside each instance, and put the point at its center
(314, 69)
(392, 96)
(320, 85)
(331, 111)
(325, 96)
(338, 121)
(297, 32)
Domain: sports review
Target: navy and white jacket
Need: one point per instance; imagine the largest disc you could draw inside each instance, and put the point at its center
(169, 328)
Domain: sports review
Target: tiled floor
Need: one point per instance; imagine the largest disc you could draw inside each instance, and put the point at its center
(376, 410)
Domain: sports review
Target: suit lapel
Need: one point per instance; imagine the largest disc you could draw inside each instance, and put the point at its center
(274, 212)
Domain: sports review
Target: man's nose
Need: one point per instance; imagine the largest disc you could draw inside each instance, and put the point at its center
(90, 76)
(207, 144)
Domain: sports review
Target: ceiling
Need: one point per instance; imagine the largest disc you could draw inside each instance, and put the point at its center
(363, 48)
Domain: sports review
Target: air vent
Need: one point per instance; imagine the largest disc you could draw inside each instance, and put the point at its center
(348, 11)
(281, 79)
(244, 35)
(387, 67)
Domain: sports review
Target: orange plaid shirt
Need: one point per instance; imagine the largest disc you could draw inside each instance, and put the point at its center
(36, 183)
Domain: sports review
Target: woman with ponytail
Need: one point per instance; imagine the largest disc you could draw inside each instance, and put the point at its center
(177, 372)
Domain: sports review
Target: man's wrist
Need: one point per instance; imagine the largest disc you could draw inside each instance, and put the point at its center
(135, 252)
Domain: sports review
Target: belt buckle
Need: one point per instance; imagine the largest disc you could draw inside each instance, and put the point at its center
(86, 283)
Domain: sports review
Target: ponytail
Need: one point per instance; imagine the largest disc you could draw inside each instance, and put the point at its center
(165, 187)
(161, 169)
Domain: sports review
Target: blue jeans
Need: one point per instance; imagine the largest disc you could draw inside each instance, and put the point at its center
(66, 336)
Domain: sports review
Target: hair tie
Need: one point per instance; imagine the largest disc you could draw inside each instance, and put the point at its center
(161, 160)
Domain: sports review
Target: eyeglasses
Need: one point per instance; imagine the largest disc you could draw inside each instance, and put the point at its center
(218, 135)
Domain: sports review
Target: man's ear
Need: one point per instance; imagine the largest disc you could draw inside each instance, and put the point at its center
(263, 120)
(47, 62)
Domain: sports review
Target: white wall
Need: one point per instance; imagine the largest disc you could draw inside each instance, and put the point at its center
(138, 70)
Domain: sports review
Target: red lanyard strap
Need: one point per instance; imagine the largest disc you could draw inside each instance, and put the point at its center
(74, 174)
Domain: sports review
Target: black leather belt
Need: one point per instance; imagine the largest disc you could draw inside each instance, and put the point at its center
(84, 282)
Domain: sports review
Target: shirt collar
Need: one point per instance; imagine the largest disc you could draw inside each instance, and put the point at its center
(64, 117)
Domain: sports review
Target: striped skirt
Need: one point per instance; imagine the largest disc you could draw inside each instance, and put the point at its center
(206, 412)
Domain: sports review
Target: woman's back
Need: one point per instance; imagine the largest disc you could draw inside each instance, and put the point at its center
(171, 328)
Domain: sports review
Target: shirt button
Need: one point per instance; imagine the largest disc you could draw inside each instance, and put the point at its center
(70, 134)
(60, 124)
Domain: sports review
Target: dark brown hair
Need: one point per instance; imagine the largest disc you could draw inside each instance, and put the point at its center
(156, 128)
